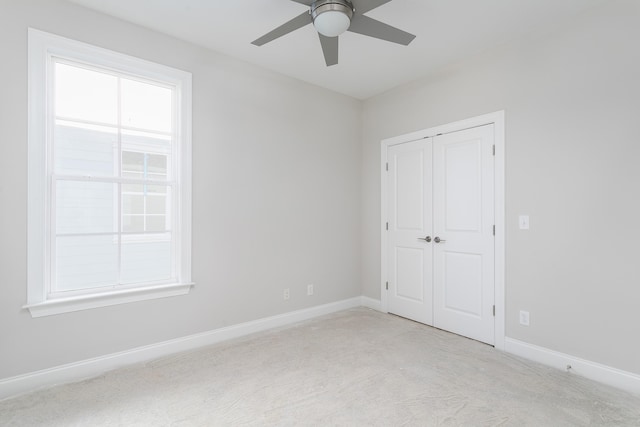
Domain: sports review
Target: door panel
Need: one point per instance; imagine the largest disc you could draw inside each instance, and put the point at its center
(409, 169)
(462, 273)
(410, 260)
(462, 189)
(463, 219)
(410, 274)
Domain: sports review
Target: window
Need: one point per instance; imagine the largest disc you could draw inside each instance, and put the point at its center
(109, 177)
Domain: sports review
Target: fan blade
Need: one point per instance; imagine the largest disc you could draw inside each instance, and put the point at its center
(370, 27)
(306, 2)
(292, 25)
(330, 49)
(365, 6)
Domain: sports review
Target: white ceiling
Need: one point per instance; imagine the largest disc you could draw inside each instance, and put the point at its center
(447, 31)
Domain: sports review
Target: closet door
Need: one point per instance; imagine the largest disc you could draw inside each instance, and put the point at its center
(440, 242)
(410, 252)
(463, 269)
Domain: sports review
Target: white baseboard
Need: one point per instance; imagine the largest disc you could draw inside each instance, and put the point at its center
(371, 303)
(595, 371)
(89, 368)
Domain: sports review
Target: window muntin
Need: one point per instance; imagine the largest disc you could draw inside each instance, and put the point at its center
(109, 177)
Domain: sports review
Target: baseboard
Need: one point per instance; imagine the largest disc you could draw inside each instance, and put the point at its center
(595, 371)
(77, 371)
(371, 303)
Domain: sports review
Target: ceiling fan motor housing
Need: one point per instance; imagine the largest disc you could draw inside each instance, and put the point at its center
(332, 17)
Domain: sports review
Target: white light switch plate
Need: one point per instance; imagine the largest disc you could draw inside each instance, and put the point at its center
(523, 222)
(524, 318)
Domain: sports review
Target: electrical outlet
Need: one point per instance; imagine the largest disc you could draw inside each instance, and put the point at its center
(524, 318)
(286, 294)
(309, 289)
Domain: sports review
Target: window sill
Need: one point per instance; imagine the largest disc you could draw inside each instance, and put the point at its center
(86, 302)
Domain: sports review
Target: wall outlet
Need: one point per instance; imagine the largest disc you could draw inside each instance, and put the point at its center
(286, 294)
(524, 318)
(309, 289)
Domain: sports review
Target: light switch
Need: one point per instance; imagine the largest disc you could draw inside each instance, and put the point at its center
(523, 222)
(524, 318)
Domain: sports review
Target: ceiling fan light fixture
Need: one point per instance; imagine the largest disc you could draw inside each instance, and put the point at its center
(331, 17)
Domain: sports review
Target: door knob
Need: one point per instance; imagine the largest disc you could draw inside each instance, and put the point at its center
(438, 240)
(426, 239)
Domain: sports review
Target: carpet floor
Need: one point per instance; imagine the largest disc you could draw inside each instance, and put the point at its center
(354, 368)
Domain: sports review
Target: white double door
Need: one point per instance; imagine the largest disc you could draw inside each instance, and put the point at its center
(440, 250)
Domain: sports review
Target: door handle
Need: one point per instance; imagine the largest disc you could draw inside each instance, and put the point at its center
(426, 239)
(438, 240)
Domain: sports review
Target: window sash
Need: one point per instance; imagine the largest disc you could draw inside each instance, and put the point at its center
(120, 236)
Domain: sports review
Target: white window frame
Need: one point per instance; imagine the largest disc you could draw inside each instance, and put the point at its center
(42, 48)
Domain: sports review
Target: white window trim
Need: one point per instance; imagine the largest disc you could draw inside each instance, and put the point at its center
(41, 47)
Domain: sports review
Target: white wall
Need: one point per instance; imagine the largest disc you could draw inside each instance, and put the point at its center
(276, 198)
(572, 102)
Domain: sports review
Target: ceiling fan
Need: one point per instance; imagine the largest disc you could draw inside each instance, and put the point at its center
(332, 18)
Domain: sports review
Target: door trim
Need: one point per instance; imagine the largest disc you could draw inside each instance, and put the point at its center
(498, 120)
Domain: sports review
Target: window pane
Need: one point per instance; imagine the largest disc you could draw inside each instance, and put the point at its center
(146, 106)
(84, 150)
(132, 204)
(86, 262)
(133, 223)
(132, 164)
(156, 205)
(157, 223)
(85, 94)
(85, 207)
(157, 164)
(148, 152)
(146, 261)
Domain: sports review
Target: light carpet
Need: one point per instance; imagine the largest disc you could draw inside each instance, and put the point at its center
(354, 368)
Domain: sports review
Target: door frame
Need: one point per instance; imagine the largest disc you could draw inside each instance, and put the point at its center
(498, 120)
